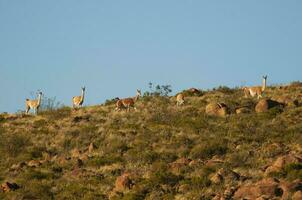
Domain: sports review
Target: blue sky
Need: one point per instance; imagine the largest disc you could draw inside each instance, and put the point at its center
(114, 47)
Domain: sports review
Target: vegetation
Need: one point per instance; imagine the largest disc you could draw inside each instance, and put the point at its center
(169, 152)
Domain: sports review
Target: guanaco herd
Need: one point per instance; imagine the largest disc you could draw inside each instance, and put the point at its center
(128, 103)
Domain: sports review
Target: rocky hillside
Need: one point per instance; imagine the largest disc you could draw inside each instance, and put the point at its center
(218, 145)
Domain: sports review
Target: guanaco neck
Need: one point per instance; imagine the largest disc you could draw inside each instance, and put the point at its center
(263, 84)
(82, 95)
(136, 98)
(39, 99)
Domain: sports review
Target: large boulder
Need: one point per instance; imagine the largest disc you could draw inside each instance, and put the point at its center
(281, 162)
(297, 195)
(217, 109)
(265, 104)
(268, 188)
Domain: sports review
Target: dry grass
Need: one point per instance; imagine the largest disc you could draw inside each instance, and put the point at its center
(145, 143)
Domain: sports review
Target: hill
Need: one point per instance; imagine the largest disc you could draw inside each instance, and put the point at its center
(159, 151)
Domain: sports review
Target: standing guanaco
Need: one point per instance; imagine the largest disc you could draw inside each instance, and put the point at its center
(127, 102)
(33, 104)
(256, 90)
(180, 99)
(77, 101)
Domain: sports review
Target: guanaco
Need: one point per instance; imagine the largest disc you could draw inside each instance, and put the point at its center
(257, 90)
(33, 104)
(128, 102)
(78, 101)
(180, 99)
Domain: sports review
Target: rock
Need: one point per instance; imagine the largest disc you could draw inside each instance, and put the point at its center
(290, 187)
(297, 195)
(268, 188)
(7, 186)
(281, 162)
(242, 110)
(33, 163)
(123, 182)
(217, 109)
(265, 104)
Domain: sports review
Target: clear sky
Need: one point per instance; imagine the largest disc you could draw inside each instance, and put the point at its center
(115, 47)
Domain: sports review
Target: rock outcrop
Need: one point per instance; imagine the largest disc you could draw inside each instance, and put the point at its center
(217, 109)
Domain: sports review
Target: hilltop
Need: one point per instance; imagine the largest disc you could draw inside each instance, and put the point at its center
(159, 151)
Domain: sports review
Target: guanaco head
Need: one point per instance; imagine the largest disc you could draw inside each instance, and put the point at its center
(264, 77)
(83, 88)
(138, 93)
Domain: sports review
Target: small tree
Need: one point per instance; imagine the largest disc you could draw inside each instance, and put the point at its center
(158, 90)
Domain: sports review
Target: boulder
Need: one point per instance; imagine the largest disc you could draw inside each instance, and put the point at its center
(265, 104)
(297, 195)
(217, 109)
(268, 188)
(281, 162)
